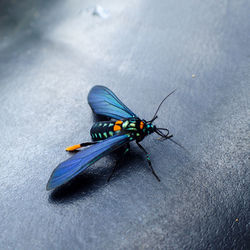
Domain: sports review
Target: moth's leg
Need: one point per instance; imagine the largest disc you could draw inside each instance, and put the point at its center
(85, 144)
(148, 160)
(120, 160)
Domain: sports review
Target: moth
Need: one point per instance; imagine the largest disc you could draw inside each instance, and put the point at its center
(119, 130)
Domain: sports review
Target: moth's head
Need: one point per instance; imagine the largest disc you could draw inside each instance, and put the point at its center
(163, 132)
(150, 127)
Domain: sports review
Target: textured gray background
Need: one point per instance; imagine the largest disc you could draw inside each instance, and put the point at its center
(53, 52)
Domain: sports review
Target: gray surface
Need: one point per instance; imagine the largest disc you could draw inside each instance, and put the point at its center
(52, 53)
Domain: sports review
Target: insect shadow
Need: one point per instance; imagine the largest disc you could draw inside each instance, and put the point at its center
(87, 183)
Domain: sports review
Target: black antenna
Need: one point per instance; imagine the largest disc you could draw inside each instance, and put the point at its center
(154, 117)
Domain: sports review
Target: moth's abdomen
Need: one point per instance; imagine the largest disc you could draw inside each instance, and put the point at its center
(102, 130)
(134, 128)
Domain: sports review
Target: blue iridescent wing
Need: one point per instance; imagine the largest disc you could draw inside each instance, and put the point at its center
(104, 102)
(68, 169)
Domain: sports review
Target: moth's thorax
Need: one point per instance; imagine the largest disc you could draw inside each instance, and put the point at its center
(135, 128)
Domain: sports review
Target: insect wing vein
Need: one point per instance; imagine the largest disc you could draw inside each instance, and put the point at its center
(68, 169)
(104, 102)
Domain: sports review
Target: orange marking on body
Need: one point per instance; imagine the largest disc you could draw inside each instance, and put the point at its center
(72, 148)
(116, 128)
(141, 125)
(117, 125)
(118, 122)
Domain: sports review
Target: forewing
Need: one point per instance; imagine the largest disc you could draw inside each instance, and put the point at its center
(104, 102)
(68, 169)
